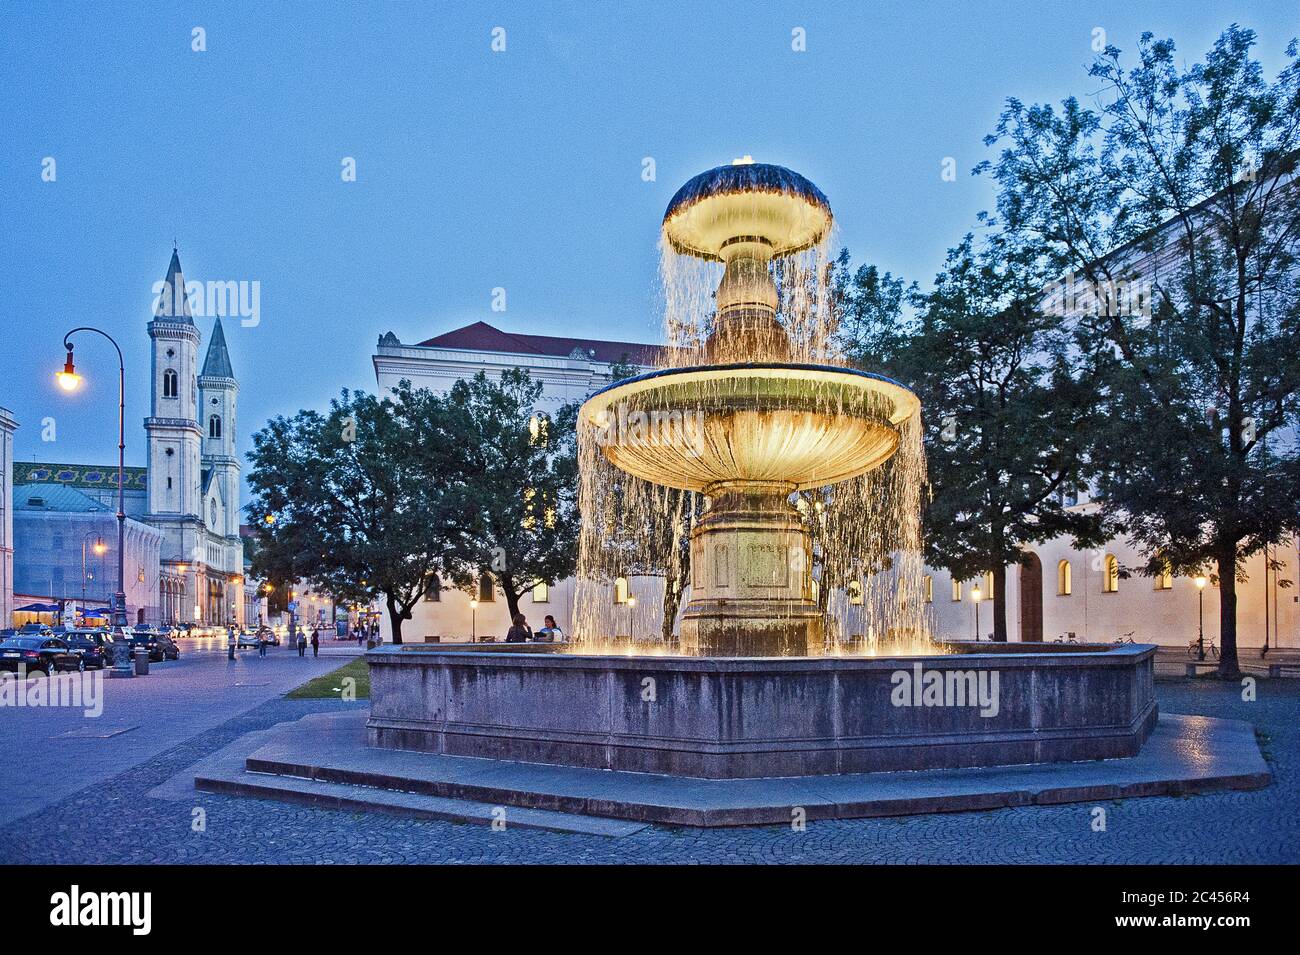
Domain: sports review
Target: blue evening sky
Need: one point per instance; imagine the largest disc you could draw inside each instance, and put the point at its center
(475, 170)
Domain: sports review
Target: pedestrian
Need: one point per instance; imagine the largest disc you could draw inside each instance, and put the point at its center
(302, 643)
(550, 633)
(230, 643)
(520, 632)
(261, 644)
(315, 644)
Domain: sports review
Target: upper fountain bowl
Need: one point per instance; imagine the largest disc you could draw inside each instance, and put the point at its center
(746, 201)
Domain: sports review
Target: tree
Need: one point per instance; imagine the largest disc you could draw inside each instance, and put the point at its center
(1008, 420)
(869, 310)
(1184, 182)
(512, 474)
(351, 508)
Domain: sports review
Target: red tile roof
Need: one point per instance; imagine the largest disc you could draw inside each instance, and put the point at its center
(484, 337)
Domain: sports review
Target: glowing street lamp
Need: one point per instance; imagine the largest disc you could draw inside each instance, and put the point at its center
(976, 594)
(631, 602)
(69, 381)
(1200, 616)
(473, 620)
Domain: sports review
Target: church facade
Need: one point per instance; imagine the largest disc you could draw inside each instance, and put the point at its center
(189, 492)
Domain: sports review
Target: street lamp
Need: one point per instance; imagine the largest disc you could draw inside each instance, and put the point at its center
(99, 547)
(69, 381)
(631, 602)
(1200, 616)
(473, 620)
(975, 595)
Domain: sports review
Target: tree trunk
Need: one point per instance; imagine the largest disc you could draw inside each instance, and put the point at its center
(395, 617)
(999, 596)
(672, 600)
(507, 582)
(1228, 666)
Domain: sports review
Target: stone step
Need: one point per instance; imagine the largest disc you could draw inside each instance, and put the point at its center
(329, 795)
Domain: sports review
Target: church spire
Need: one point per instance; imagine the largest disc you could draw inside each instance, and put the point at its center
(173, 305)
(217, 362)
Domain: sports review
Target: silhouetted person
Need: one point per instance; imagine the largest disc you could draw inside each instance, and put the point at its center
(519, 633)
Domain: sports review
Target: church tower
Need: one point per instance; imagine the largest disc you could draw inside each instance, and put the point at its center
(173, 427)
(218, 390)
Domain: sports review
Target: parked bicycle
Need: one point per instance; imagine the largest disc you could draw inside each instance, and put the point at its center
(1125, 638)
(1211, 651)
(1070, 637)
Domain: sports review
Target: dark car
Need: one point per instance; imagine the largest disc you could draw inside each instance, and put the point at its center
(46, 654)
(148, 640)
(91, 648)
(170, 651)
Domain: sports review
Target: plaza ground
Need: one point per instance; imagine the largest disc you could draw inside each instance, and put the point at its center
(124, 799)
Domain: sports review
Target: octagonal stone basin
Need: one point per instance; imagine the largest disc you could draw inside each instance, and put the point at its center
(743, 717)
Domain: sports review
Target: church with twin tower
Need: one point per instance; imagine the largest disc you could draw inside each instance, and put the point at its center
(193, 469)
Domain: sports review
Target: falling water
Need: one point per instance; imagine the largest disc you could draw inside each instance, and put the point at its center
(865, 532)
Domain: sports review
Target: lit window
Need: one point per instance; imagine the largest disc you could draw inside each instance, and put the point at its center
(928, 585)
(1165, 579)
(988, 585)
(539, 430)
(855, 592)
(1064, 579)
(1110, 575)
(620, 590)
(541, 594)
(956, 590)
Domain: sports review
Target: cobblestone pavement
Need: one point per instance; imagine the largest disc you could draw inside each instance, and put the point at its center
(116, 821)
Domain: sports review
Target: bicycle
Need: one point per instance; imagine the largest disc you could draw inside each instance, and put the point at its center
(1211, 651)
(1070, 637)
(1125, 638)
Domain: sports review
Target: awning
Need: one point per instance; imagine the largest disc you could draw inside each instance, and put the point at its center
(38, 608)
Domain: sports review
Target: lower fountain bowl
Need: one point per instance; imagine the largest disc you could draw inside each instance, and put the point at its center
(752, 717)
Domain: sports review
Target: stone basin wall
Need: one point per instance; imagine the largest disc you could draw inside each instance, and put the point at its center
(760, 717)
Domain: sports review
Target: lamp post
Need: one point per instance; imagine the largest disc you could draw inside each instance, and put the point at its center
(99, 547)
(631, 602)
(1200, 617)
(69, 380)
(975, 595)
(473, 620)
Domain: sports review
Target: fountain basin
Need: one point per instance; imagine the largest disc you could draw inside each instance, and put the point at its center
(751, 717)
(797, 425)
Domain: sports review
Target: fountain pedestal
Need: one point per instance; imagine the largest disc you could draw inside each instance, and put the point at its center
(751, 583)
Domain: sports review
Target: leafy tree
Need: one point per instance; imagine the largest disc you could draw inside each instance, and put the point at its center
(352, 509)
(1008, 421)
(1183, 179)
(869, 310)
(512, 474)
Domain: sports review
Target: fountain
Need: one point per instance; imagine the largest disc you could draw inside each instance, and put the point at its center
(804, 647)
(768, 427)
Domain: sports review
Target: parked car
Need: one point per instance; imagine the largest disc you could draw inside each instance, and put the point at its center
(247, 639)
(141, 637)
(91, 648)
(46, 654)
(170, 650)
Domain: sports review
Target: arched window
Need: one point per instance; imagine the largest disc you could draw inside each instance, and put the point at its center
(620, 590)
(485, 592)
(855, 592)
(170, 384)
(956, 589)
(928, 585)
(214, 426)
(541, 593)
(212, 513)
(433, 588)
(1110, 575)
(539, 430)
(1064, 579)
(1165, 579)
(988, 585)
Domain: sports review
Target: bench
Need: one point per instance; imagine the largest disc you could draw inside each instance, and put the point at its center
(1192, 667)
(1275, 669)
